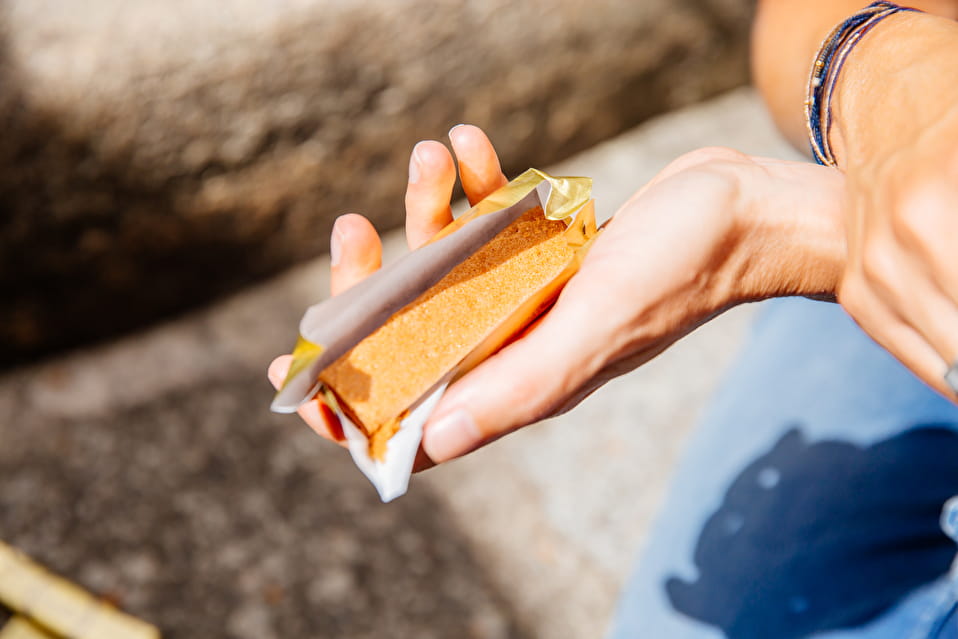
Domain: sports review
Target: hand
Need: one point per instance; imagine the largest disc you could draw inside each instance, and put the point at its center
(714, 229)
(901, 282)
(355, 247)
(895, 135)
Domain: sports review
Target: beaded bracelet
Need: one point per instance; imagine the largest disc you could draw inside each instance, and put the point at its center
(828, 65)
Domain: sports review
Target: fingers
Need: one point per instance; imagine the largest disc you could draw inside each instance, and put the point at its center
(355, 251)
(902, 262)
(926, 225)
(479, 168)
(432, 176)
(277, 370)
(892, 332)
(524, 383)
(936, 317)
(315, 413)
(919, 301)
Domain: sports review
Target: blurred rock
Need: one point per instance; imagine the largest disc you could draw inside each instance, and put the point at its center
(160, 152)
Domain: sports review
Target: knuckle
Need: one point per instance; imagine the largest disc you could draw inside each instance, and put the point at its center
(851, 294)
(878, 263)
(908, 216)
(717, 171)
(711, 154)
(721, 153)
(849, 298)
(916, 214)
(528, 393)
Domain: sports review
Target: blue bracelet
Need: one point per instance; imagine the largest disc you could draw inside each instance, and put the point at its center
(827, 67)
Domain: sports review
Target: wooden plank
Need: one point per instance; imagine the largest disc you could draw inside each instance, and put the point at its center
(20, 627)
(61, 606)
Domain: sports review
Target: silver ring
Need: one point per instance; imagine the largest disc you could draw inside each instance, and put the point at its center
(951, 377)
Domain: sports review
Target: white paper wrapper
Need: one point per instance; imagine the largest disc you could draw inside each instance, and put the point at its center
(391, 476)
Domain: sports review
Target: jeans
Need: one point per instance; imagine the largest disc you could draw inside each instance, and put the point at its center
(809, 502)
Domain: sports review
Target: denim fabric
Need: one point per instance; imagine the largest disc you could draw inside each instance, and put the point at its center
(809, 502)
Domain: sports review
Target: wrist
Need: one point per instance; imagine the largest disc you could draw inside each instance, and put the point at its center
(790, 234)
(891, 90)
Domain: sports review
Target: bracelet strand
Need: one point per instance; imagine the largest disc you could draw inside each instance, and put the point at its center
(826, 68)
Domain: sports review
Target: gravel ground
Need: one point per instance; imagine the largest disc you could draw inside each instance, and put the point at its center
(238, 524)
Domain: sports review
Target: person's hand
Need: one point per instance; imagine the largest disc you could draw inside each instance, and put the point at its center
(901, 282)
(355, 247)
(895, 135)
(714, 229)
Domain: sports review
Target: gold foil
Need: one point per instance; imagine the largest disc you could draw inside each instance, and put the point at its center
(568, 195)
(304, 353)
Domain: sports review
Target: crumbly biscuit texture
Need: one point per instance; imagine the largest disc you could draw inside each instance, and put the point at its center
(387, 372)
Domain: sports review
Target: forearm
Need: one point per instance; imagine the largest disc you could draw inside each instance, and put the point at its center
(787, 34)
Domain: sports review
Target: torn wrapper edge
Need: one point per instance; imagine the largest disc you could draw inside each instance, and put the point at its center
(391, 475)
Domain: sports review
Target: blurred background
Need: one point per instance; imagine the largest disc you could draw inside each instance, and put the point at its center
(159, 153)
(169, 173)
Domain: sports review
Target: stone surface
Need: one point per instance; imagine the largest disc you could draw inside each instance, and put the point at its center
(189, 513)
(159, 152)
(150, 470)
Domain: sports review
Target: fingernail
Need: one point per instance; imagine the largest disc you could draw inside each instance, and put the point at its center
(951, 377)
(335, 245)
(452, 436)
(274, 380)
(414, 165)
(276, 373)
(453, 129)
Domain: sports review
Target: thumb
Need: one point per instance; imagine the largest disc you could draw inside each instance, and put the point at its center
(525, 382)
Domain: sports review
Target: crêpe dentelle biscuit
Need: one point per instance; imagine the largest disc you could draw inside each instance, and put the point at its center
(386, 373)
(375, 351)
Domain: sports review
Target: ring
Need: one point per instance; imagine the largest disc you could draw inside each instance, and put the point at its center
(951, 377)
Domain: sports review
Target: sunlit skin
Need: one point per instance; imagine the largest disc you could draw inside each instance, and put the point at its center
(896, 140)
(748, 228)
(716, 228)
